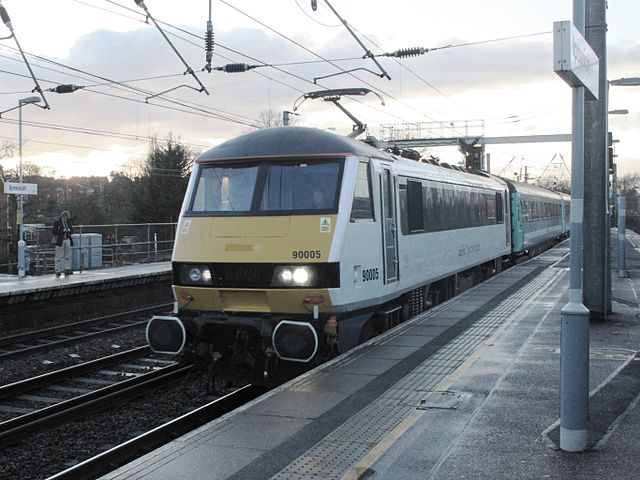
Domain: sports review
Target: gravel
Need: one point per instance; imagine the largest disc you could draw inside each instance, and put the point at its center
(58, 448)
(20, 368)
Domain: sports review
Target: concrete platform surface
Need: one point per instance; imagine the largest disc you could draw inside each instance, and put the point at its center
(507, 427)
(455, 393)
(11, 285)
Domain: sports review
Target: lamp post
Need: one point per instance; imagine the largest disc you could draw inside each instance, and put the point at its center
(622, 200)
(21, 242)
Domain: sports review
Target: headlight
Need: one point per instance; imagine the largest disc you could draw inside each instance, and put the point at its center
(195, 275)
(294, 276)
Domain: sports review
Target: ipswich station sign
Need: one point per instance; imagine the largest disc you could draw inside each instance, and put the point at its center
(573, 58)
(17, 188)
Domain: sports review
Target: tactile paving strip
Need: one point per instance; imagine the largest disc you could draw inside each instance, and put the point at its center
(339, 451)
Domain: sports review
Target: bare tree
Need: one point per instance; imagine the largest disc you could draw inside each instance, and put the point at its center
(269, 118)
(7, 150)
(29, 169)
(628, 183)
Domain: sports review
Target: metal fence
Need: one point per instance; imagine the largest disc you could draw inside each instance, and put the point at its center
(97, 246)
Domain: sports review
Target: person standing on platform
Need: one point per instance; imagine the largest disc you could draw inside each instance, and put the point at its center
(62, 231)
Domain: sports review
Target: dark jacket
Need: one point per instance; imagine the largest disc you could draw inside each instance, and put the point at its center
(58, 231)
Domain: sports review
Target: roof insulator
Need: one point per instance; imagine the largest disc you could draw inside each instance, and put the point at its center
(408, 52)
(235, 67)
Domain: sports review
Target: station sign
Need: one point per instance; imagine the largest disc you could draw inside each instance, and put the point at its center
(17, 188)
(574, 60)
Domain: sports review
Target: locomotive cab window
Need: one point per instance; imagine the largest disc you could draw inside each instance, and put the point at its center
(225, 189)
(267, 187)
(300, 186)
(362, 207)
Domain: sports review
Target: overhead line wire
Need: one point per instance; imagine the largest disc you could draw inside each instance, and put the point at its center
(121, 85)
(88, 131)
(313, 19)
(269, 65)
(331, 63)
(137, 19)
(501, 39)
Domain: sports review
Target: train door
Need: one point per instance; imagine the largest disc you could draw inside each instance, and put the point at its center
(389, 227)
(504, 200)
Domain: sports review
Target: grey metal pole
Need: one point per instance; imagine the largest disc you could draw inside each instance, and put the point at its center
(574, 318)
(597, 283)
(21, 242)
(622, 214)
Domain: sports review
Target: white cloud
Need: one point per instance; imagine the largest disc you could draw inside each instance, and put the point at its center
(491, 81)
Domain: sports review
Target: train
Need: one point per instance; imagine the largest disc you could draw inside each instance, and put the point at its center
(296, 244)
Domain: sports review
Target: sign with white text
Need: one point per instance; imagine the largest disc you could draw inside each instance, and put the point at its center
(16, 188)
(574, 60)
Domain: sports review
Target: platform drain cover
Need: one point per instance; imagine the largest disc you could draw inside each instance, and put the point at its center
(444, 400)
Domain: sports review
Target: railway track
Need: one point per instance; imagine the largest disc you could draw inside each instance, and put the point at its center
(127, 451)
(60, 335)
(75, 392)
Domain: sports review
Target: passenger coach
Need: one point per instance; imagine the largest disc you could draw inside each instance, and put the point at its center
(539, 217)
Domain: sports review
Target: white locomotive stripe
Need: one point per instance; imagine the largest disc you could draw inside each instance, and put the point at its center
(346, 198)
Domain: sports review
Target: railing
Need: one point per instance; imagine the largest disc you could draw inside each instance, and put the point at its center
(432, 130)
(97, 246)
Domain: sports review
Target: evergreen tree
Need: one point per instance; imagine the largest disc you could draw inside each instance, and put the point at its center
(119, 198)
(158, 193)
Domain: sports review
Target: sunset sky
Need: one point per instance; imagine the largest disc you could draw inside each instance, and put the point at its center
(496, 68)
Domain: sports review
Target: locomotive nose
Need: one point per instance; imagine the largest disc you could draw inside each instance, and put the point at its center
(295, 341)
(166, 334)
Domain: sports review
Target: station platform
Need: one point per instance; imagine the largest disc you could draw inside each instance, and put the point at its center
(469, 389)
(29, 301)
(13, 288)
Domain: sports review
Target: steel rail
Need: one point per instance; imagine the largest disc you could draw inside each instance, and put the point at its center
(46, 379)
(18, 428)
(127, 451)
(69, 328)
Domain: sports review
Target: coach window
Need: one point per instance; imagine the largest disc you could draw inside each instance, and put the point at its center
(415, 206)
(362, 207)
(491, 207)
(499, 208)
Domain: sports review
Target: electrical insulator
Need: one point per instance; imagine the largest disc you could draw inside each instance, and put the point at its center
(5, 17)
(409, 52)
(235, 67)
(66, 88)
(208, 45)
(314, 5)
(140, 3)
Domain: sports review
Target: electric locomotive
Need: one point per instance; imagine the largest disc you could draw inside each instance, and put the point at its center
(295, 244)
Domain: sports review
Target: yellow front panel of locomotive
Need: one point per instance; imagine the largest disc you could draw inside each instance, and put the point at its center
(250, 301)
(283, 239)
(302, 239)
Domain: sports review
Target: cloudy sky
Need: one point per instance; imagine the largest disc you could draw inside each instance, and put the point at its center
(495, 72)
